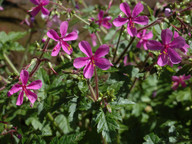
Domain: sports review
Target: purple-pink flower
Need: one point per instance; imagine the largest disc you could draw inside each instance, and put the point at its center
(179, 80)
(93, 39)
(40, 6)
(24, 88)
(185, 47)
(168, 54)
(103, 21)
(131, 18)
(62, 41)
(92, 60)
(143, 36)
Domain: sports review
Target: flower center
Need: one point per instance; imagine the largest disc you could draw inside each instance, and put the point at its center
(165, 51)
(92, 61)
(25, 89)
(131, 23)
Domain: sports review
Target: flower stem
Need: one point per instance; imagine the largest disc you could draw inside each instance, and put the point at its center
(98, 37)
(96, 82)
(123, 53)
(10, 63)
(121, 31)
(81, 19)
(39, 59)
(50, 117)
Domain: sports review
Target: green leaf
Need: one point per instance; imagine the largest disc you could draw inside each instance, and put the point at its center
(107, 125)
(12, 36)
(151, 139)
(63, 123)
(68, 139)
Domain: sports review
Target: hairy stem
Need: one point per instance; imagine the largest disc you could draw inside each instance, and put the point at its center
(39, 59)
(10, 63)
(123, 53)
(96, 82)
(121, 31)
(98, 37)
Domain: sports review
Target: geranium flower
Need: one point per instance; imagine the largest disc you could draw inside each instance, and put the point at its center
(185, 47)
(61, 41)
(131, 18)
(40, 6)
(179, 80)
(143, 36)
(92, 60)
(168, 53)
(24, 88)
(103, 21)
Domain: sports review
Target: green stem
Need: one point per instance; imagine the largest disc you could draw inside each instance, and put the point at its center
(96, 82)
(121, 31)
(10, 63)
(50, 117)
(98, 37)
(81, 19)
(123, 53)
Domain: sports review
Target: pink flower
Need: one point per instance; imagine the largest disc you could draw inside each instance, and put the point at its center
(24, 88)
(179, 80)
(143, 36)
(167, 12)
(168, 53)
(103, 21)
(40, 6)
(92, 60)
(131, 18)
(185, 47)
(61, 41)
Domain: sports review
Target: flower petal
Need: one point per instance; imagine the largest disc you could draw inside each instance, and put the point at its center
(137, 10)
(175, 85)
(20, 98)
(178, 42)
(45, 11)
(35, 2)
(162, 60)
(103, 63)
(145, 45)
(31, 96)
(186, 77)
(85, 48)
(154, 45)
(102, 51)
(176, 34)
(66, 47)
(100, 15)
(175, 78)
(56, 49)
(125, 9)
(63, 28)
(35, 85)
(45, 2)
(35, 11)
(166, 36)
(71, 36)
(142, 20)
(15, 88)
(148, 35)
(24, 75)
(80, 62)
(88, 70)
(119, 21)
(139, 44)
(106, 24)
(185, 48)
(132, 31)
(53, 35)
(174, 56)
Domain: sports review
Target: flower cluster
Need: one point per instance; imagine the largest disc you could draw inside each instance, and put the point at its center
(179, 80)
